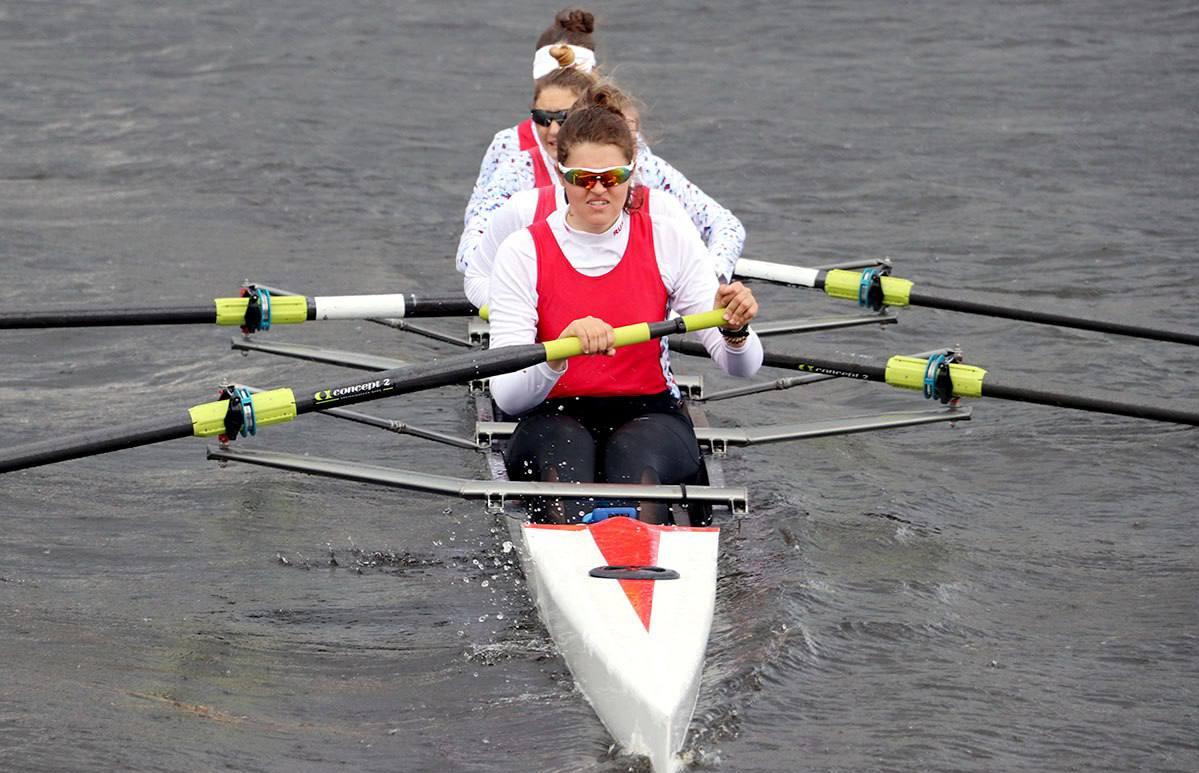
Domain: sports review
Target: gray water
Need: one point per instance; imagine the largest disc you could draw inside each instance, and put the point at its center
(1017, 593)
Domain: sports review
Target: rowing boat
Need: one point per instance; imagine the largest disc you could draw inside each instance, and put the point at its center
(629, 606)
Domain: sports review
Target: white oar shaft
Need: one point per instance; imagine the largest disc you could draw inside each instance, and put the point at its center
(359, 306)
(776, 272)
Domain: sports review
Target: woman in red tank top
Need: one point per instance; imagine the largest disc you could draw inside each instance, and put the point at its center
(615, 415)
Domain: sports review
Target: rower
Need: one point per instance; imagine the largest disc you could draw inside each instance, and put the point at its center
(562, 71)
(512, 165)
(613, 256)
(526, 207)
(567, 44)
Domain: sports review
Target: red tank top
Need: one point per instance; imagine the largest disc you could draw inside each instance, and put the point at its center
(631, 292)
(547, 202)
(524, 132)
(528, 144)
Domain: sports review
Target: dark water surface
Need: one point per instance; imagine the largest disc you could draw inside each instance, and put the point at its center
(1020, 592)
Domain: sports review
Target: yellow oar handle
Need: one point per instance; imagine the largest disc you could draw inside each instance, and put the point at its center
(639, 333)
(704, 320)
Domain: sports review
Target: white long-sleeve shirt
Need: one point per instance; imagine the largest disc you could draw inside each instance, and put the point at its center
(509, 170)
(683, 266)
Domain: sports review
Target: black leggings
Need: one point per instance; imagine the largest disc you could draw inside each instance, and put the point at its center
(646, 439)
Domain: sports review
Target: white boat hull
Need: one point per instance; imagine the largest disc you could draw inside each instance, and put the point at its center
(635, 647)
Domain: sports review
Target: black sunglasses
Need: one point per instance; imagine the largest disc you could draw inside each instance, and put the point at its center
(547, 117)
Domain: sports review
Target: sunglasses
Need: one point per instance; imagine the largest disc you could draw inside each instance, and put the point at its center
(547, 117)
(587, 178)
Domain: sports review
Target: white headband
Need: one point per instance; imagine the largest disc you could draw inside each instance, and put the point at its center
(544, 62)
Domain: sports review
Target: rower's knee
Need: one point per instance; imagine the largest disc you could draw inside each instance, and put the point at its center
(551, 448)
(661, 443)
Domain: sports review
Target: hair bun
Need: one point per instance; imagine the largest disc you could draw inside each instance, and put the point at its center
(570, 25)
(576, 20)
(601, 96)
(604, 96)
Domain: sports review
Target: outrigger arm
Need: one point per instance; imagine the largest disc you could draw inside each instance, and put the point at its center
(495, 493)
(719, 439)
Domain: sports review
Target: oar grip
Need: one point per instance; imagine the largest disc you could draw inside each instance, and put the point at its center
(704, 320)
(641, 332)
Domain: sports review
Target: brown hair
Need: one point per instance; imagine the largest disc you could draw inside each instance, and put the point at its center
(573, 80)
(571, 25)
(598, 116)
(606, 92)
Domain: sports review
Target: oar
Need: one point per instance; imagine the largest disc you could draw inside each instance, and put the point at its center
(257, 309)
(242, 412)
(873, 288)
(942, 379)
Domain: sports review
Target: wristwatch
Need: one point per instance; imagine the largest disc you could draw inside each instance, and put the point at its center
(735, 335)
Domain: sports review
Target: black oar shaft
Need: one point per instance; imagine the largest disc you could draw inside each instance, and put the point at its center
(861, 372)
(1046, 318)
(415, 378)
(416, 306)
(399, 381)
(1088, 403)
(166, 315)
(61, 449)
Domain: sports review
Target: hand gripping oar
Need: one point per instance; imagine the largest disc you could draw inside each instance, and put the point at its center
(942, 379)
(874, 289)
(241, 413)
(257, 309)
